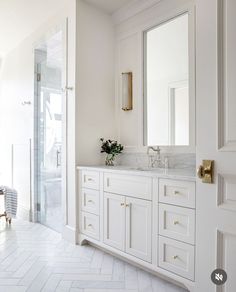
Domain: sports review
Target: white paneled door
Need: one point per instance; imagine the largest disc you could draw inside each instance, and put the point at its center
(216, 140)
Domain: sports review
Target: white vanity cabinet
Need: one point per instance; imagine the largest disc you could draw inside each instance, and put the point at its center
(128, 214)
(139, 228)
(146, 217)
(89, 196)
(128, 225)
(114, 220)
(177, 226)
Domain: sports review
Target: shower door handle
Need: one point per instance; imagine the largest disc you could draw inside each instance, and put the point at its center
(67, 88)
(58, 158)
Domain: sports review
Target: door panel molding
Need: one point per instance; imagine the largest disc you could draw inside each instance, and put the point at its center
(226, 255)
(226, 191)
(226, 71)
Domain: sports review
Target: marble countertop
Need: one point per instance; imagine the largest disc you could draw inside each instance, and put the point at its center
(188, 174)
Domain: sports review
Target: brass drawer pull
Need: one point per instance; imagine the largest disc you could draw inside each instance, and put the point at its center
(90, 201)
(176, 192)
(175, 257)
(127, 205)
(122, 204)
(90, 179)
(176, 222)
(90, 225)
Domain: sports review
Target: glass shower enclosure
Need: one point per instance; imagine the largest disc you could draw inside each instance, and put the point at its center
(49, 60)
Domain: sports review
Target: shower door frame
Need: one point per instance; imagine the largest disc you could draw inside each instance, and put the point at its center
(63, 26)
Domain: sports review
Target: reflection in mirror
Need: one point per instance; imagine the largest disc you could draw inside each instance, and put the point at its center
(166, 83)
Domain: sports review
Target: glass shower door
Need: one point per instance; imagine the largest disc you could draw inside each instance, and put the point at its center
(49, 66)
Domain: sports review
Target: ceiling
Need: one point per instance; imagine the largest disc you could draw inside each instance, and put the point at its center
(110, 6)
(19, 18)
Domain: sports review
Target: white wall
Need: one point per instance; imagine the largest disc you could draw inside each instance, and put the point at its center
(95, 81)
(16, 121)
(129, 57)
(90, 116)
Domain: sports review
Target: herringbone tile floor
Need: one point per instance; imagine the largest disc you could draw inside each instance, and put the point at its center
(35, 258)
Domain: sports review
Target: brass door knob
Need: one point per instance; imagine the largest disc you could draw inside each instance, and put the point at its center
(205, 171)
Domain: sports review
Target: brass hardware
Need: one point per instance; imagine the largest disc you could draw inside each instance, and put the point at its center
(175, 257)
(90, 201)
(26, 102)
(90, 179)
(176, 222)
(67, 88)
(122, 204)
(206, 171)
(38, 77)
(127, 91)
(90, 225)
(176, 192)
(127, 205)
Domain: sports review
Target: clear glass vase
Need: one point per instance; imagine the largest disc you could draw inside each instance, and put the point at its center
(110, 158)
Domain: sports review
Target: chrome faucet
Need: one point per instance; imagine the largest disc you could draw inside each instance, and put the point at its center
(155, 160)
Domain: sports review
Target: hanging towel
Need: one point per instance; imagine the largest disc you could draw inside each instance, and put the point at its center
(10, 201)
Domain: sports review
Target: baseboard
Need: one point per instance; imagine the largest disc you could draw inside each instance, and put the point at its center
(23, 213)
(70, 234)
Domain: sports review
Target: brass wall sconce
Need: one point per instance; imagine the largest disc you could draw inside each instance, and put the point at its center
(127, 91)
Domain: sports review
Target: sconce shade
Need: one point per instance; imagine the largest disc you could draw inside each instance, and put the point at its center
(127, 92)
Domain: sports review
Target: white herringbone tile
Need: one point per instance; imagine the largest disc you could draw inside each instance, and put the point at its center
(34, 258)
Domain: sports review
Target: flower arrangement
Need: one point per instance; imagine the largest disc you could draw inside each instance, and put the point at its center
(112, 148)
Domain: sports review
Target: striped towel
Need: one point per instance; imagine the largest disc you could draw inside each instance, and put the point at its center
(10, 201)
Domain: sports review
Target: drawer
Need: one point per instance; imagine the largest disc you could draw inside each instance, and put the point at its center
(176, 257)
(90, 179)
(176, 192)
(90, 225)
(90, 201)
(129, 185)
(177, 223)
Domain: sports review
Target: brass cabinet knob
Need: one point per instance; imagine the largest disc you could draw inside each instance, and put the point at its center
(205, 171)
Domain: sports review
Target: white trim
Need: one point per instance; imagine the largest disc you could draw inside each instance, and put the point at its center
(70, 234)
(224, 143)
(136, 26)
(24, 213)
(171, 114)
(132, 9)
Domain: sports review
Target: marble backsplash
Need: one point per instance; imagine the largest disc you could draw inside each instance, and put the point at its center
(175, 160)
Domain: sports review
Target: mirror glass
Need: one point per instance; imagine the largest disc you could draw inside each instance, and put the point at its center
(166, 83)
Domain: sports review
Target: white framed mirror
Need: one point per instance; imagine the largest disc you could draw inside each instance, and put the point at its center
(169, 97)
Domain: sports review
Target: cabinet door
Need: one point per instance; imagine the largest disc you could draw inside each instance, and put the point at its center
(138, 228)
(114, 220)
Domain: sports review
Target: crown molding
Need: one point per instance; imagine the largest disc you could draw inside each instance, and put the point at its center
(132, 9)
